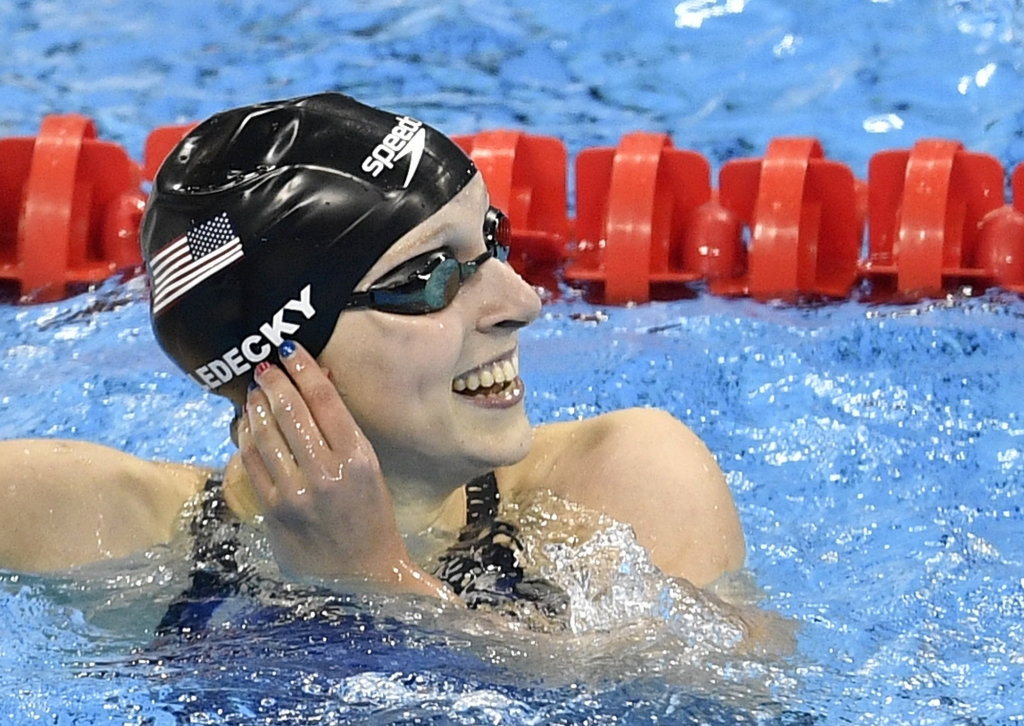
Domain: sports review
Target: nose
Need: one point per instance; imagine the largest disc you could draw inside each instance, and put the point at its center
(506, 301)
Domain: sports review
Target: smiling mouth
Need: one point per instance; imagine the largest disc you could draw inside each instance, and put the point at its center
(489, 379)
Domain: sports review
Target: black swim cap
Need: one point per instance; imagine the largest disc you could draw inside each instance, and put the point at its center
(263, 219)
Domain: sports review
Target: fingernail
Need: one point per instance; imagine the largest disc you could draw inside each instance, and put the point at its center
(261, 368)
(253, 385)
(286, 349)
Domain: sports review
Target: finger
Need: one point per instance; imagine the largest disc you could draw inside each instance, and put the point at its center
(288, 408)
(255, 468)
(268, 437)
(329, 412)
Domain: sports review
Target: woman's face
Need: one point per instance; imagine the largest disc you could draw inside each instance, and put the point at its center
(407, 379)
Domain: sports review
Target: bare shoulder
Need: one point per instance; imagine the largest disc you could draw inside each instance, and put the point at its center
(565, 456)
(646, 468)
(634, 430)
(65, 503)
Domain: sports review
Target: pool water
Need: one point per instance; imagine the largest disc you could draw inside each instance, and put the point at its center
(874, 451)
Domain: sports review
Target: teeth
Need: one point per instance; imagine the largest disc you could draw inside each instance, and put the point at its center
(500, 373)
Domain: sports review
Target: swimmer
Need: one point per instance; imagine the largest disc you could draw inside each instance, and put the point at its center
(338, 273)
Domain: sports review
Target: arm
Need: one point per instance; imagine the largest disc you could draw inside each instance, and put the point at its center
(327, 509)
(646, 468)
(66, 503)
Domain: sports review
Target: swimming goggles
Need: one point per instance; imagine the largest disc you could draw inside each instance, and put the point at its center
(429, 282)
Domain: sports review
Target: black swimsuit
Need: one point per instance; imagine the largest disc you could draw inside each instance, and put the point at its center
(216, 574)
(483, 566)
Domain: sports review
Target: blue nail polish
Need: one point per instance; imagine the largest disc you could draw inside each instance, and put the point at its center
(287, 349)
(253, 385)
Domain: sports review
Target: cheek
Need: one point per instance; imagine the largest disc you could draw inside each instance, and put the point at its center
(419, 356)
(397, 363)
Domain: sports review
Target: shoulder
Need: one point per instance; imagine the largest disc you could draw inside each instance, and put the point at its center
(82, 465)
(635, 440)
(646, 468)
(640, 430)
(65, 503)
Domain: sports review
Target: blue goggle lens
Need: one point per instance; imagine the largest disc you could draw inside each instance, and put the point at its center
(436, 276)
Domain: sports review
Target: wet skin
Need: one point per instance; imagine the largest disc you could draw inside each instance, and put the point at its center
(344, 455)
(341, 450)
(376, 438)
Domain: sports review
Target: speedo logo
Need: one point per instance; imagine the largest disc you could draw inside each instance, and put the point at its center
(255, 347)
(407, 138)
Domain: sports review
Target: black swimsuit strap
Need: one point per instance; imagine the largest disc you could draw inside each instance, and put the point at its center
(482, 499)
(484, 567)
(216, 574)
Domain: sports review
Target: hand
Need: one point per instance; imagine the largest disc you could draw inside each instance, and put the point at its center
(327, 509)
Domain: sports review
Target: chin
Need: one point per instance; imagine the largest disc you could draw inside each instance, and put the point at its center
(505, 444)
(515, 453)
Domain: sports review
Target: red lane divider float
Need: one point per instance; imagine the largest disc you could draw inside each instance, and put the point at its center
(634, 204)
(927, 212)
(802, 213)
(1001, 249)
(526, 178)
(648, 223)
(70, 207)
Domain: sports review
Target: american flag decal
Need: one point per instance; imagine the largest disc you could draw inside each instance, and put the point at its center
(192, 258)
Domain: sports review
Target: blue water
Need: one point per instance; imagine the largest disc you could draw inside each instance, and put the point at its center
(874, 452)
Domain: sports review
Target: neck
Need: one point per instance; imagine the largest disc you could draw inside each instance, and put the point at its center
(423, 497)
